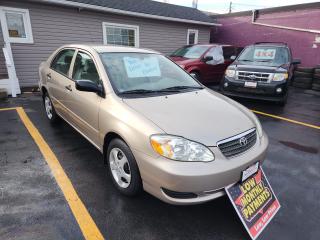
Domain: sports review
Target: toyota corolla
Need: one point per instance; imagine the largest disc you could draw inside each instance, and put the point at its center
(158, 128)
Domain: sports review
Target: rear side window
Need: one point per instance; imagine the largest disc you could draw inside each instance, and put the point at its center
(85, 69)
(61, 63)
(228, 52)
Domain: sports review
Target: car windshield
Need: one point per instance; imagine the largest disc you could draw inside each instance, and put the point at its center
(143, 73)
(194, 51)
(269, 55)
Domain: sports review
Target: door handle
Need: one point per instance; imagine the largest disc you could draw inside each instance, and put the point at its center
(68, 87)
(49, 76)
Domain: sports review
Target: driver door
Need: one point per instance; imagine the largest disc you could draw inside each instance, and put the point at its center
(84, 106)
(214, 69)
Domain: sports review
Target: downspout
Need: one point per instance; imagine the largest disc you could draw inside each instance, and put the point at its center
(255, 14)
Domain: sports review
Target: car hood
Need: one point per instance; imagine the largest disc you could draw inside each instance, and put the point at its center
(201, 116)
(258, 67)
(182, 60)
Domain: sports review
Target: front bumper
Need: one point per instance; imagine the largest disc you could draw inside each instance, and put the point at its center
(263, 91)
(205, 180)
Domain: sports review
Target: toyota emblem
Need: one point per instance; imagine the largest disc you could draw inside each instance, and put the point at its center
(243, 141)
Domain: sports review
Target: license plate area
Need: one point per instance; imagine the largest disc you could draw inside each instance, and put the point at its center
(249, 172)
(250, 84)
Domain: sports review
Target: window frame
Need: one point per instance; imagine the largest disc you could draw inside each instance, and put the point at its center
(71, 64)
(196, 32)
(78, 50)
(123, 26)
(26, 24)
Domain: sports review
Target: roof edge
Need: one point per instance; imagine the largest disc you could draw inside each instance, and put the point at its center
(286, 8)
(124, 12)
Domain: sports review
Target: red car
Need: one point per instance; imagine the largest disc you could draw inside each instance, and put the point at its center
(203, 62)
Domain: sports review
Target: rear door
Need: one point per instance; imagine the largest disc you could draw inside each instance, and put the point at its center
(58, 78)
(83, 106)
(214, 69)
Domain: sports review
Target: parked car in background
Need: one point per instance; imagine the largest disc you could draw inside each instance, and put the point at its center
(131, 103)
(261, 71)
(205, 62)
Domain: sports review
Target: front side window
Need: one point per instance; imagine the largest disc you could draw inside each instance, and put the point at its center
(142, 72)
(17, 24)
(194, 52)
(121, 35)
(85, 69)
(61, 63)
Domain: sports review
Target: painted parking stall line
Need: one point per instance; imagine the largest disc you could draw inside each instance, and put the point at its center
(287, 119)
(88, 227)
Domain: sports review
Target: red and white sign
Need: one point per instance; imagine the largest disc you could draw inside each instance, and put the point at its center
(255, 202)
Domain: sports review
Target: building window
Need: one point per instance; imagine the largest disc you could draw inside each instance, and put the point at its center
(16, 25)
(192, 37)
(120, 34)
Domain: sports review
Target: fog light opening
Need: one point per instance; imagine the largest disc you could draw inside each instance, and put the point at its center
(279, 90)
(225, 84)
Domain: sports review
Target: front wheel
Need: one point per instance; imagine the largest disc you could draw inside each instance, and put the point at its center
(123, 168)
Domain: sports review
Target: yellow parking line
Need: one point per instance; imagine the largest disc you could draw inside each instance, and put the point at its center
(6, 109)
(286, 119)
(87, 225)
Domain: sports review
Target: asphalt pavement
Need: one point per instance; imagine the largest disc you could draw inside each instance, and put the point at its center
(32, 206)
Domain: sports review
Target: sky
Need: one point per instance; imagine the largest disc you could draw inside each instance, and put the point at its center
(221, 6)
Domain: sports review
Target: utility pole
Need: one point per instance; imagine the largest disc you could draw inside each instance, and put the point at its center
(230, 7)
(195, 3)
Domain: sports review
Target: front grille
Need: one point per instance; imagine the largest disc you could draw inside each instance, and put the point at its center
(253, 76)
(238, 144)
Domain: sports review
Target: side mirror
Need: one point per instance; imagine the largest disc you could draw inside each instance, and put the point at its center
(233, 57)
(88, 86)
(296, 61)
(207, 59)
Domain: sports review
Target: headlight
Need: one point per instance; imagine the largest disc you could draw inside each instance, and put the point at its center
(181, 149)
(280, 76)
(230, 73)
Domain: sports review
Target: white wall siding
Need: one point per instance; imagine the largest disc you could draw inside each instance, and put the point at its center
(54, 26)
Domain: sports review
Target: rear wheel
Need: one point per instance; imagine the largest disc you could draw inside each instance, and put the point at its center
(123, 168)
(50, 111)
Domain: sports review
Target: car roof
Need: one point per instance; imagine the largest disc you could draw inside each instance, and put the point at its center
(211, 45)
(275, 44)
(108, 48)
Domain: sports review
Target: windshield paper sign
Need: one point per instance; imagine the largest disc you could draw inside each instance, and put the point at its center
(142, 67)
(255, 202)
(267, 54)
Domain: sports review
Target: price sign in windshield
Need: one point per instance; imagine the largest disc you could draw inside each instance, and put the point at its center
(267, 54)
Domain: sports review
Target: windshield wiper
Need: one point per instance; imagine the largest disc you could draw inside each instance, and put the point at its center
(146, 91)
(245, 60)
(181, 88)
(137, 91)
(264, 60)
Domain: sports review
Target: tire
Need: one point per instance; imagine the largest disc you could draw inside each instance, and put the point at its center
(283, 101)
(123, 169)
(302, 74)
(302, 80)
(50, 110)
(302, 85)
(316, 87)
(305, 69)
(195, 75)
